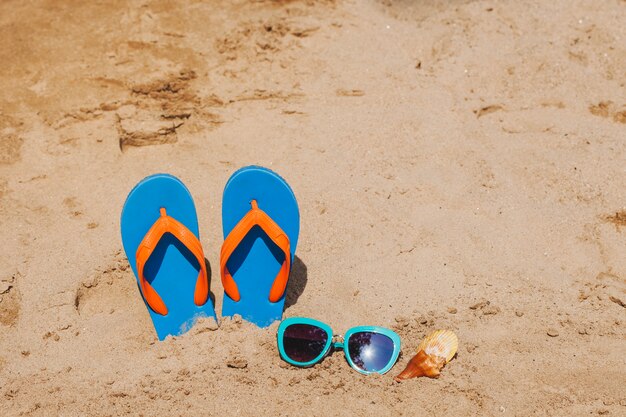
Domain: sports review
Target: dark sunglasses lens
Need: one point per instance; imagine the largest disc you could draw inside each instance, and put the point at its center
(304, 342)
(370, 351)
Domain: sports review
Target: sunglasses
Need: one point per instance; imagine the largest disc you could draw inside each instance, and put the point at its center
(304, 342)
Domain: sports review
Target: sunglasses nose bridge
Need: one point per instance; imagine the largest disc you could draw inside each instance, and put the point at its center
(338, 342)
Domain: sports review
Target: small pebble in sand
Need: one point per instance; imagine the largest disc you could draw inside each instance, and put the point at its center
(617, 301)
(237, 363)
(402, 321)
(552, 332)
(5, 287)
(479, 305)
(52, 335)
(452, 310)
(490, 310)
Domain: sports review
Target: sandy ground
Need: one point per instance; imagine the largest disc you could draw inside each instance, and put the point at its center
(458, 164)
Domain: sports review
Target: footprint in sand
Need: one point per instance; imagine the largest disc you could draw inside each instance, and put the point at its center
(162, 106)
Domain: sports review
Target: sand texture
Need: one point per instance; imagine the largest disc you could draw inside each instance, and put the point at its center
(458, 164)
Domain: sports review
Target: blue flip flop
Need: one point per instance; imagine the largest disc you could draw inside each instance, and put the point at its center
(261, 224)
(160, 237)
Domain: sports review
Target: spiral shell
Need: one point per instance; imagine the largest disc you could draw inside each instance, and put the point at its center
(435, 351)
(442, 343)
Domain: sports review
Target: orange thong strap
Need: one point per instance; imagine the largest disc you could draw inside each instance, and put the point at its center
(166, 224)
(256, 217)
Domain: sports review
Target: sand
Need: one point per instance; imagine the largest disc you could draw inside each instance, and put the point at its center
(458, 164)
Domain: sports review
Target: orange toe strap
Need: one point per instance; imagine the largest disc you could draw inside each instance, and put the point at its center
(166, 224)
(256, 217)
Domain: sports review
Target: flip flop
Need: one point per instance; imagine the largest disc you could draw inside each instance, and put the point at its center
(261, 224)
(160, 237)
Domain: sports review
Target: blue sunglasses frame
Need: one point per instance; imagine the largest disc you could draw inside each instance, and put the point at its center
(337, 345)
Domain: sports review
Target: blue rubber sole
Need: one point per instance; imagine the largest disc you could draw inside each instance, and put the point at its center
(257, 260)
(172, 270)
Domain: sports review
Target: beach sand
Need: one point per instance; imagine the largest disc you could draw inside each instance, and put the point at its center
(458, 165)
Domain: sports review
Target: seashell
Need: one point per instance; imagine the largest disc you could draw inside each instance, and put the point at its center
(433, 353)
(443, 343)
